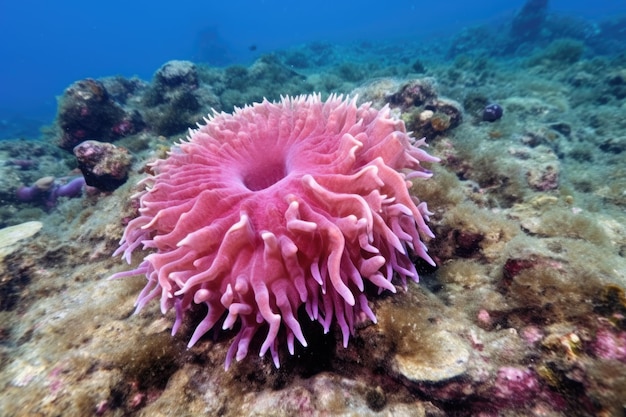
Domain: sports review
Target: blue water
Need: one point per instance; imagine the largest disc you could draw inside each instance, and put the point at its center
(45, 45)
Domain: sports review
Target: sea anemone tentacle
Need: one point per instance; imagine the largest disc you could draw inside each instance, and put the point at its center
(277, 208)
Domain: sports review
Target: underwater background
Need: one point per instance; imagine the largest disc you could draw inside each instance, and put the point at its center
(522, 102)
(47, 46)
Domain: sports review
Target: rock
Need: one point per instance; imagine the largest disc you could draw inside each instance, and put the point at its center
(176, 73)
(424, 113)
(614, 145)
(450, 359)
(104, 165)
(86, 112)
(176, 100)
(529, 21)
(417, 339)
(9, 236)
(541, 165)
(414, 93)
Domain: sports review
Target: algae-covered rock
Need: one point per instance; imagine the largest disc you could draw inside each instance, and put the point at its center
(9, 236)
(426, 338)
(449, 360)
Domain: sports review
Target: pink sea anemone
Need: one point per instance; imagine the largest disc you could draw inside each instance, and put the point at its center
(279, 206)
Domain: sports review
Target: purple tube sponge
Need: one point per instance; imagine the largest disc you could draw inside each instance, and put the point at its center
(27, 194)
(72, 189)
(45, 191)
(37, 191)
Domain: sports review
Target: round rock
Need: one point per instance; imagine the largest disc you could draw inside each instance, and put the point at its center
(450, 359)
(9, 236)
(104, 165)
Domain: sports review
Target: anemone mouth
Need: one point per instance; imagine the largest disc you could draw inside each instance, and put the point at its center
(263, 175)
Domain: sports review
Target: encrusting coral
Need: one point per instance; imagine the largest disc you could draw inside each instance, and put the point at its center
(277, 206)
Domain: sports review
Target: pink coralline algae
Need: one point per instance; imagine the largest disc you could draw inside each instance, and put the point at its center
(279, 206)
(610, 345)
(515, 385)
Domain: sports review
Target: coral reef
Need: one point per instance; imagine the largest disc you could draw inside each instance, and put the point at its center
(87, 112)
(524, 313)
(560, 52)
(424, 112)
(242, 86)
(176, 100)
